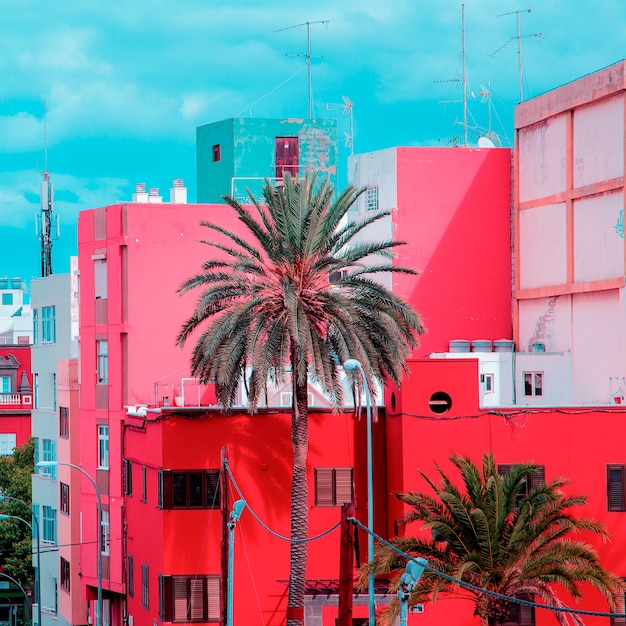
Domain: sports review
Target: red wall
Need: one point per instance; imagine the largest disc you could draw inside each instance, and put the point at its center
(454, 212)
(260, 457)
(574, 442)
(16, 418)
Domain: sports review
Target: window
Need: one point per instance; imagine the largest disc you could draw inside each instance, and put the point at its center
(615, 487)
(103, 447)
(130, 576)
(7, 298)
(487, 381)
(65, 575)
(48, 324)
(49, 530)
(64, 498)
(54, 392)
(333, 486)
(520, 615)
(371, 198)
(145, 578)
(100, 278)
(127, 477)
(535, 480)
(5, 384)
(104, 532)
(64, 422)
(102, 367)
(189, 598)
(186, 489)
(286, 156)
(35, 326)
(620, 608)
(144, 484)
(7, 443)
(49, 453)
(217, 153)
(533, 383)
(36, 391)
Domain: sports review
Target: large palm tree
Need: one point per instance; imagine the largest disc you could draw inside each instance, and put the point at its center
(297, 295)
(495, 533)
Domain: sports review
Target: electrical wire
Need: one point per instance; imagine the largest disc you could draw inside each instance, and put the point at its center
(482, 590)
(265, 526)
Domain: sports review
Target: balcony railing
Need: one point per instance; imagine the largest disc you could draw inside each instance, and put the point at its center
(16, 401)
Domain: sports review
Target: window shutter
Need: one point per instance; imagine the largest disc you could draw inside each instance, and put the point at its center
(526, 615)
(213, 488)
(165, 598)
(620, 608)
(197, 589)
(615, 487)
(343, 485)
(213, 598)
(179, 599)
(324, 487)
(538, 478)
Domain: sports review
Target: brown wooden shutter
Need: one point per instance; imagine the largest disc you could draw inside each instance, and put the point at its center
(197, 589)
(324, 487)
(343, 485)
(615, 487)
(165, 598)
(213, 598)
(620, 608)
(213, 488)
(538, 478)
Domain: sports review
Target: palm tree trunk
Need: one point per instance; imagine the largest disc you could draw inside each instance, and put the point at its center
(299, 499)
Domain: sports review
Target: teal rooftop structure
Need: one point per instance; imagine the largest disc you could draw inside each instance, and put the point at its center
(240, 153)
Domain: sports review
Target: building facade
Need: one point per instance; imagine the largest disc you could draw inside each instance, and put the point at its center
(238, 154)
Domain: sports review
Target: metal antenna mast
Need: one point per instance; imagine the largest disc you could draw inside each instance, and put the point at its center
(464, 77)
(44, 223)
(308, 57)
(519, 45)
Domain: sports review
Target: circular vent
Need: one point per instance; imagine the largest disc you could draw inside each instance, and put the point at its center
(440, 402)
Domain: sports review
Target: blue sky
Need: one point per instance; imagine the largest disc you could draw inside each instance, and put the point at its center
(125, 84)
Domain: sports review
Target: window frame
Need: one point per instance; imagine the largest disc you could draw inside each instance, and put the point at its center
(64, 422)
(130, 575)
(102, 361)
(65, 574)
(209, 493)
(535, 480)
(48, 324)
(64, 498)
(372, 198)
(49, 525)
(326, 490)
(105, 533)
(189, 589)
(145, 586)
(127, 477)
(103, 447)
(616, 494)
(531, 388)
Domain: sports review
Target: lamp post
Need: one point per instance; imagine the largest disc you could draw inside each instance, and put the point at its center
(351, 365)
(38, 578)
(235, 514)
(43, 464)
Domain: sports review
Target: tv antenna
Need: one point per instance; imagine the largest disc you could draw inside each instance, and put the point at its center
(43, 222)
(462, 79)
(346, 109)
(307, 55)
(519, 45)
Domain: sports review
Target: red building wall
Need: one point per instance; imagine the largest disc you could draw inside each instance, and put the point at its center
(577, 443)
(16, 407)
(454, 212)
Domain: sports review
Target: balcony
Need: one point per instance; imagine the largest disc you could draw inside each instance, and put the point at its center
(12, 401)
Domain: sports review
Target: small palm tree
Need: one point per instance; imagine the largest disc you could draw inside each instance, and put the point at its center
(496, 535)
(298, 291)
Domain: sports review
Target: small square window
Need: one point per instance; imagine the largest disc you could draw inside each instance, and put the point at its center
(217, 153)
(372, 198)
(487, 381)
(7, 298)
(533, 384)
(333, 486)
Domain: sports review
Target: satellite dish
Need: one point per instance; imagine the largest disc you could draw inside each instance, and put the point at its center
(485, 142)
(494, 138)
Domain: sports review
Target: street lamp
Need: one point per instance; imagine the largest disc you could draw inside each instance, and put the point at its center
(43, 464)
(38, 578)
(235, 514)
(21, 519)
(351, 365)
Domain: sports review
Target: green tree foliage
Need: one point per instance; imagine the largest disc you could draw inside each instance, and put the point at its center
(299, 290)
(15, 536)
(492, 532)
